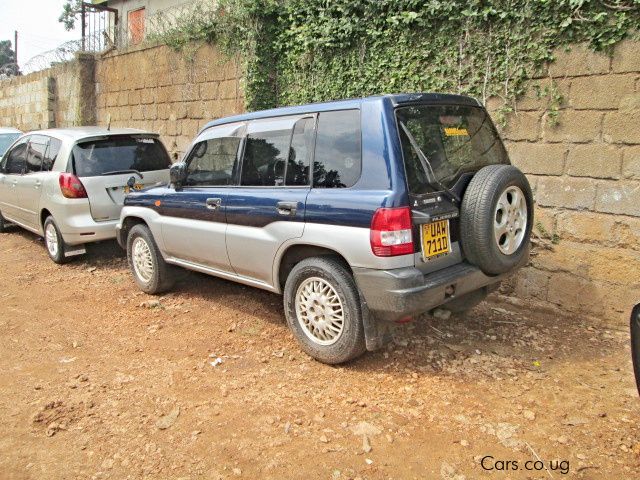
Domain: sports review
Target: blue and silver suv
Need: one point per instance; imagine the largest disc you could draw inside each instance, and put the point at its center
(360, 212)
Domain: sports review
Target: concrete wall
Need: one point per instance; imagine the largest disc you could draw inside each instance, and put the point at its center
(60, 96)
(586, 176)
(161, 90)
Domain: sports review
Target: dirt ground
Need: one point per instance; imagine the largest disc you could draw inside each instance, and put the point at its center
(101, 381)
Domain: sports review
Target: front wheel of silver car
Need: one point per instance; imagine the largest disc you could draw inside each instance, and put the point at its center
(323, 310)
(152, 274)
(54, 242)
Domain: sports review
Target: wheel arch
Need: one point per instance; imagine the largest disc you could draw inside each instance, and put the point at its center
(127, 224)
(44, 213)
(295, 253)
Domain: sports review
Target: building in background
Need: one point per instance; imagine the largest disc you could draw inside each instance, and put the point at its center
(137, 18)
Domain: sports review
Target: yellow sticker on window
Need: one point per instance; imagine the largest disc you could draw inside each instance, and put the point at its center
(456, 132)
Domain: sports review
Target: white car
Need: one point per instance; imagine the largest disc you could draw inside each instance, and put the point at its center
(68, 185)
(8, 135)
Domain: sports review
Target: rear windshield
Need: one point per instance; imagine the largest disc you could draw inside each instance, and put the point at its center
(6, 139)
(124, 152)
(453, 138)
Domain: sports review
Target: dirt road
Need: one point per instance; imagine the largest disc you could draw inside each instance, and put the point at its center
(101, 381)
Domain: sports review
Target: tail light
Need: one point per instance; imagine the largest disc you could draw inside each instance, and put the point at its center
(71, 186)
(391, 232)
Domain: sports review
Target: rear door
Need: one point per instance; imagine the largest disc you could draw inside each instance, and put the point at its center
(13, 167)
(105, 165)
(443, 146)
(268, 208)
(29, 185)
(194, 215)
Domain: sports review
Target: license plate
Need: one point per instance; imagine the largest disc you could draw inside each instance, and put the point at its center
(137, 186)
(435, 239)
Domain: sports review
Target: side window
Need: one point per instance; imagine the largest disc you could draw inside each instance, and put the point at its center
(51, 155)
(337, 160)
(17, 158)
(299, 153)
(265, 156)
(36, 151)
(213, 162)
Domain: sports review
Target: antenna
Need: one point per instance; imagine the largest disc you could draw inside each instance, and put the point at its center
(109, 123)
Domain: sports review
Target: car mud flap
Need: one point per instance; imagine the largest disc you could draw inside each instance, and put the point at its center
(376, 334)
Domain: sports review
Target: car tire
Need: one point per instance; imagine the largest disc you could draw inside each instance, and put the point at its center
(150, 272)
(318, 289)
(496, 219)
(53, 242)
(3, 224)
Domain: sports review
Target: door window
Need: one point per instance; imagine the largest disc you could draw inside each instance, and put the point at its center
(213, 161)
(36, 150)
(299, 153)
(277, 152)
(337, 161)
(265, 157)
(51, 155)
(17, 158)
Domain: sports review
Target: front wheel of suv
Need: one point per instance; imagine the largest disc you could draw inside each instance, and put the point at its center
(322, 306)
(152, 274)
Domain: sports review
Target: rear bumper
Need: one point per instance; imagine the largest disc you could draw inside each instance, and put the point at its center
(405, 292)
(79, 229)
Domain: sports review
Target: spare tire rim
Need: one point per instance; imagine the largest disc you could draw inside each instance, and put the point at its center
(510, 220)
(319, 311)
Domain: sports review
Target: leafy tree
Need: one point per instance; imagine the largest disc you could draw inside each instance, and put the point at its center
(7, 55)
(8, 59)
(70, 12)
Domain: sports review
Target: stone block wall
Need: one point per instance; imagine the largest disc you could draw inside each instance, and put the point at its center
(585, 172)
(54, 97)
(27, 102)
(168, 92)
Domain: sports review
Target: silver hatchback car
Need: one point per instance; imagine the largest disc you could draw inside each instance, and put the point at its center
(68, 185)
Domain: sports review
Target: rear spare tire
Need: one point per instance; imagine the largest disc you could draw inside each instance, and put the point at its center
(496, 219)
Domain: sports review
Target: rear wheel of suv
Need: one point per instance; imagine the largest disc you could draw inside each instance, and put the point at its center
(496, 218)
(152, 274)
(54, 242)
(322, 306)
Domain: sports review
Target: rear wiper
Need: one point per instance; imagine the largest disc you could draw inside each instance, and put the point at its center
(120, 172)
(432, 180)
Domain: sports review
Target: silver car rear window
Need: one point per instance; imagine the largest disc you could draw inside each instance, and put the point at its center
(115, 154)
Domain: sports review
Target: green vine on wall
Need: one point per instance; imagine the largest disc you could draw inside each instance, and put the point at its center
(300, 51)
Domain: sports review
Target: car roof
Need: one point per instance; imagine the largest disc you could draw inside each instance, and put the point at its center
(396, 99)
(80, 133)
(9, 130)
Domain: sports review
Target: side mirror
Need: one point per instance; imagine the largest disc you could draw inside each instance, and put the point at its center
(178, 173)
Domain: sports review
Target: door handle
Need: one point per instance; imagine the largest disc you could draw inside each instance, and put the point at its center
(37, 185)
(213, 203)
(287, 208)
